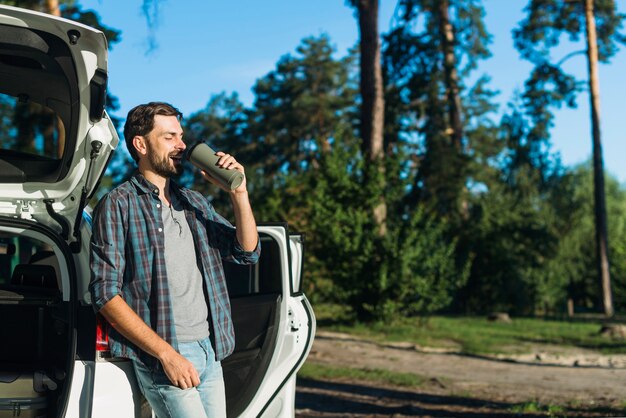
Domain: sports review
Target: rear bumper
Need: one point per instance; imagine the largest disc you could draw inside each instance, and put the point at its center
(105, 389)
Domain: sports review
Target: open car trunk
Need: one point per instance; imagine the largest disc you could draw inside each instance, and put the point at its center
(55, 141)
(37, 317)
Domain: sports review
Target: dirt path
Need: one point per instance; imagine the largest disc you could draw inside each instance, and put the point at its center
(460, 385)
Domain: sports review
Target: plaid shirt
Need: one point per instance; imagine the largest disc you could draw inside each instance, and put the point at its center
(127, 259)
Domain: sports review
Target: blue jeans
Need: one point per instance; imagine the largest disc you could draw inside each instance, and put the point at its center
(169, 401)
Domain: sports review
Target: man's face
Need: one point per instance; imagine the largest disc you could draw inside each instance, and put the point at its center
(165, 146)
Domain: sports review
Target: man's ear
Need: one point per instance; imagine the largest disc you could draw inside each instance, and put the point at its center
(139, 142)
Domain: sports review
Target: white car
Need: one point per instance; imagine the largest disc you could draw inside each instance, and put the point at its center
(55, 143)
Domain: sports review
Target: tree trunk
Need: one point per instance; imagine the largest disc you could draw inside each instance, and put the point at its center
(453, 99)
(52, 7)
(570, 307)
(373, 103)
(450, 74)
(602, 258)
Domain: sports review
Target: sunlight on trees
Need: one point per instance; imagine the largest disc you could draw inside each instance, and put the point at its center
(414, 198)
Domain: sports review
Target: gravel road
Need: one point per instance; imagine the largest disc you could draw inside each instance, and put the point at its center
(587, 383)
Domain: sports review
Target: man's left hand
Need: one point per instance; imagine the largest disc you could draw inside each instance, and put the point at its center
(228, 162)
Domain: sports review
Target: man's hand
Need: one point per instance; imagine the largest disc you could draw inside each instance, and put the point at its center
(179, 370)
(228, 162)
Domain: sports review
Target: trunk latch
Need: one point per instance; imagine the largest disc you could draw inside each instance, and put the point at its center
(25, 209)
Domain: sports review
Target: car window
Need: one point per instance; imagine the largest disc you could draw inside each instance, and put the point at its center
(261, 278)
(39, 106)
(30, 128)
(23, 251)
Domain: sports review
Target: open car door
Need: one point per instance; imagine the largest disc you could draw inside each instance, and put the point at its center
(274, 327)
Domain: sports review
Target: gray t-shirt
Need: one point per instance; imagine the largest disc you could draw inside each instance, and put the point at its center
(183, 275)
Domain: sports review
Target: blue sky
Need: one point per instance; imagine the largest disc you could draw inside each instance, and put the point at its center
(209, 46)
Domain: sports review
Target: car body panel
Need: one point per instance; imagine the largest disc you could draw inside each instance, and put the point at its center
(123, 399)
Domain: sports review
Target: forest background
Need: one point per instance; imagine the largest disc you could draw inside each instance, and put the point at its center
(421, 190)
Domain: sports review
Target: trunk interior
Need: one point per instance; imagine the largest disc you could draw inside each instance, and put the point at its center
(36, 326)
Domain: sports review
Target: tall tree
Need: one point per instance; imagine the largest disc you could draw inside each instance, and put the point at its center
(602, 246)
(538, 33)
(372, 99)
(429, 54)
(451, 77)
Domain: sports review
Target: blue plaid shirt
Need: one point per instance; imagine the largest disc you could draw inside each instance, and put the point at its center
(127, 259)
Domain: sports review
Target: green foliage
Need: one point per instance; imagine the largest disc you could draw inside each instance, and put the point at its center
(491, 223)
(546, 24)
(411, 270)
(511, 240)
(537, 407)
(415, 62)
(572, 271)
(508, 252)
(298, 109)
(548, 21)
(301, 104)
(512, 231)
(547, 88)
(478, 336)
(305, 167)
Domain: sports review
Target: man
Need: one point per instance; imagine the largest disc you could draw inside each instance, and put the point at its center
(157, 275)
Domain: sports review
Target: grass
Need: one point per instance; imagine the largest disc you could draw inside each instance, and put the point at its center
(475, 335)
(535, 407)
(316, 371)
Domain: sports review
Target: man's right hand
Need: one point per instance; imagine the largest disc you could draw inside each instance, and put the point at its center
(179, 370)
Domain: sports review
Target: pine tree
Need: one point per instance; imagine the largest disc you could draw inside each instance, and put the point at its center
(432, 49)
(299, 106)
(539, 33)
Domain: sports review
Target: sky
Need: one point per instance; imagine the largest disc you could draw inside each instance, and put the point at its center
(205, 47)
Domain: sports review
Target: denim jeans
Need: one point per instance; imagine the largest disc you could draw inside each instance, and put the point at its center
(169, 401)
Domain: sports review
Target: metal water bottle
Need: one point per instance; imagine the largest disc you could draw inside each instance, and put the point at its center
(203, 157)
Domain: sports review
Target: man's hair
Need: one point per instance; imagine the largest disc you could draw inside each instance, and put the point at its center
(140, 122)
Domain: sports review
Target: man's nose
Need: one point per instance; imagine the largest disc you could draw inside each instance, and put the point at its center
(181, 144)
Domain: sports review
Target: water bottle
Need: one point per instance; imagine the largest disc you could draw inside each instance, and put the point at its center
(203, 157)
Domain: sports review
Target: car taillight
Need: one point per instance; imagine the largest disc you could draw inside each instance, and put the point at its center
(102, 334)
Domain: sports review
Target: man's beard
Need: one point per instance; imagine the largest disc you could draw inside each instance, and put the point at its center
(163, 166)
